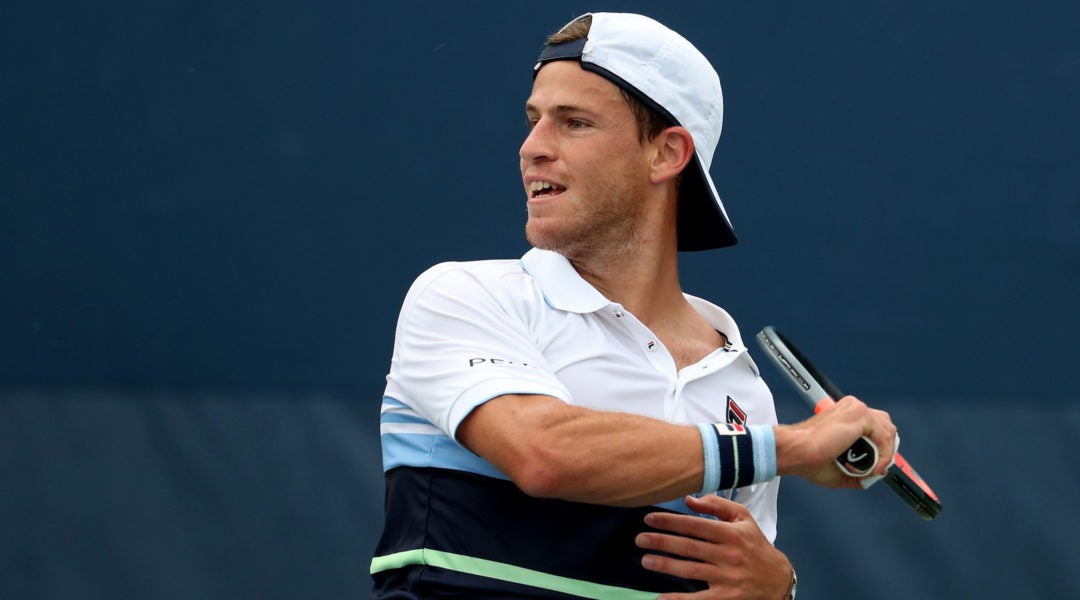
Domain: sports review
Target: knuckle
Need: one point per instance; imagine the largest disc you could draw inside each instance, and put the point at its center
(661, 542)
(685, 547)
(696, 571)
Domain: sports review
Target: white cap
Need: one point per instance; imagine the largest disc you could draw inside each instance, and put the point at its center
(668, 74)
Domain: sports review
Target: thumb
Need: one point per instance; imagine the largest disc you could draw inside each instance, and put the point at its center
(717, 506)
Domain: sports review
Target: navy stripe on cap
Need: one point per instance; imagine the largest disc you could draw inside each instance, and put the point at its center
(573, 49)
(565, 51)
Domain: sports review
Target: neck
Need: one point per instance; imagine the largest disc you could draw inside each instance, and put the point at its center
(647, 285)
(640, 271)
(639, 267)
(644, 278)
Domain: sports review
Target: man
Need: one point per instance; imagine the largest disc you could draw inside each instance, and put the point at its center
(552, 426)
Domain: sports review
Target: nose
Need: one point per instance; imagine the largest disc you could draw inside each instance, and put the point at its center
(539, 144)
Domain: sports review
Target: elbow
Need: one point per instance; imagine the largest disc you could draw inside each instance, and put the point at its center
(542, 473)
(539, 483)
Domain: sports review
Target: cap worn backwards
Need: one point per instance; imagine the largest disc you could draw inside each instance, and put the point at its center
(667, 73)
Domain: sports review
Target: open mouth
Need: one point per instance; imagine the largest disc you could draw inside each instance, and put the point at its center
(544, 189)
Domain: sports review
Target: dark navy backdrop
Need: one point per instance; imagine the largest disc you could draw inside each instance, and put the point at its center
(209, 213)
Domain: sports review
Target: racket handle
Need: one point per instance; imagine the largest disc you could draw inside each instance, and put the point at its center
(901, 475)
(860, 458)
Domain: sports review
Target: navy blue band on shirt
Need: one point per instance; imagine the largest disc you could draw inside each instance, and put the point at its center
(470, 515)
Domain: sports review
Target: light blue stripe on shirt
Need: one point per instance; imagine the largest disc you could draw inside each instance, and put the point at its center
(409, 440)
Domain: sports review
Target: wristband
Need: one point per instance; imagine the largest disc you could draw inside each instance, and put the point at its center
(711, 448)
(736, 456)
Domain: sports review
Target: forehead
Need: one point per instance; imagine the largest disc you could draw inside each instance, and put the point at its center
(565, 83)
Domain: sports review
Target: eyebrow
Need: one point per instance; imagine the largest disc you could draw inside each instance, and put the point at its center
(560, 109)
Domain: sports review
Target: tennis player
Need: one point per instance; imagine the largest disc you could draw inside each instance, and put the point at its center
(571, 424)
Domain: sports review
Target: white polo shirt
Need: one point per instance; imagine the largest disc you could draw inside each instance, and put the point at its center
(469, 332)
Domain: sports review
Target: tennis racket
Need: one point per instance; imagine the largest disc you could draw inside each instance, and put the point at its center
(820, 393)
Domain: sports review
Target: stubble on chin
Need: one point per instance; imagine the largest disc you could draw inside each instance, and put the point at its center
(608, 240)
(604, 229)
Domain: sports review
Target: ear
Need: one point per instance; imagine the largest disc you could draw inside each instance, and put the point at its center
(674, 149)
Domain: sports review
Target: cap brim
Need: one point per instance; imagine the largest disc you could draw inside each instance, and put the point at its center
(702, 222)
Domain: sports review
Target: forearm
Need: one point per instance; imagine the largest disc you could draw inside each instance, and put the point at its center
(620, 460)
(551, 449)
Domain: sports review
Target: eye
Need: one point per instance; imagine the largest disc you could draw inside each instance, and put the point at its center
(577, 124)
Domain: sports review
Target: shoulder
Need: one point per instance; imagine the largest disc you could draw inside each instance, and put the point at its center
(456, 287)
(474, 268)
(463, 276)
(463, 299)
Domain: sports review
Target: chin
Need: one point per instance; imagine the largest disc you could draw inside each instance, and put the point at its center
(553, 241)
(537, 237)
(544, 240)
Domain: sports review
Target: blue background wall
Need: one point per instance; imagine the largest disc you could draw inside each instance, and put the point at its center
(209, 213)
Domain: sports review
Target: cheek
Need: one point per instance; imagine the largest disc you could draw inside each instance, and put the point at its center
(628, 165)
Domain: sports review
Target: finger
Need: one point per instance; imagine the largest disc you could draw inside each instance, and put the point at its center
(686, 569)
(691, 526)
(851, 403)
(888, 456)
(724, 581)
(717, 506)
(688, 525)
(876, 425)
(677, 545)
(885, 437)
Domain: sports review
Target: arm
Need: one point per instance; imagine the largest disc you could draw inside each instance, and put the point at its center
(547, 446)
(553, 449)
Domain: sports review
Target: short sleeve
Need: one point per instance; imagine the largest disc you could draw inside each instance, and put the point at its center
(463, 338)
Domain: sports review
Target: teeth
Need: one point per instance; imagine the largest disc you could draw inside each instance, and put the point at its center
(539, 186)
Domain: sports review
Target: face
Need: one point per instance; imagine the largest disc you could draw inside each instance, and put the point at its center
(583, 165)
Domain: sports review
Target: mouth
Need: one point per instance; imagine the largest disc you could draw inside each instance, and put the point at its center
(544, 189)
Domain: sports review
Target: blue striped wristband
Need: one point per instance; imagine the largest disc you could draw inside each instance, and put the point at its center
(736, 456)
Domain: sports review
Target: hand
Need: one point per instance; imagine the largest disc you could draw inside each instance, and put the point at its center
(731, 555)
(809, 449)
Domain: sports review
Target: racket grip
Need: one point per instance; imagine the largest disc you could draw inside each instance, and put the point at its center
(860, 458)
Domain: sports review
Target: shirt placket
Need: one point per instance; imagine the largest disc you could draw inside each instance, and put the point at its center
(655, 352)
(712, 364)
